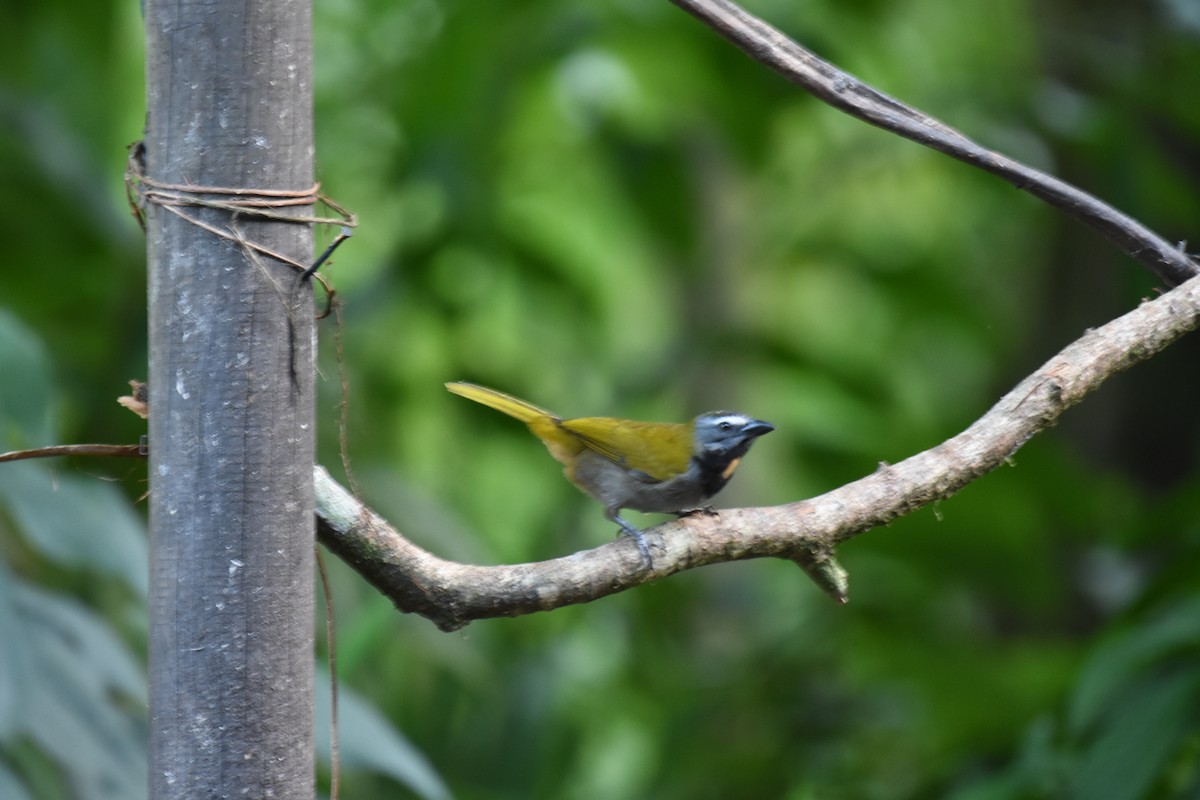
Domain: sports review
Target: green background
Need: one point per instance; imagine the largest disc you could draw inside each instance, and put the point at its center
(604, 208)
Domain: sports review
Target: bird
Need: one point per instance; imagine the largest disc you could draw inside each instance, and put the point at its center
(660, 467)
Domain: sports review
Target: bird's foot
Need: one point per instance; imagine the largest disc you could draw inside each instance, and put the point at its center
(643, 548)
(639, 538)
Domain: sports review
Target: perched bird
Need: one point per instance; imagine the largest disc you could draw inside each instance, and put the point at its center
(660, 467)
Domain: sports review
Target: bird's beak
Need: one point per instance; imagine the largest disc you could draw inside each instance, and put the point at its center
(756, 428)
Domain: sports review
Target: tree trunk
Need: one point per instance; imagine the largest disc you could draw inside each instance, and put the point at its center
(231, 406)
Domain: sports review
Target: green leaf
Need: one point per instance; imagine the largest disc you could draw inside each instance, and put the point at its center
(11, 787)
(25, 391)
(1140, 734)
(60, 622)
(1118, 661)
(68, 693)
(16, 664)
(366, 739)
(77, 521)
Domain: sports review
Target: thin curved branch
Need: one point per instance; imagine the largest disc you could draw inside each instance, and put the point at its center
(54, 451)
(451, 594)
(847, 93)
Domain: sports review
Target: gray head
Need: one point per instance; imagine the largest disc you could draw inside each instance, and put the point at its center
(722, 438)
(727, 433)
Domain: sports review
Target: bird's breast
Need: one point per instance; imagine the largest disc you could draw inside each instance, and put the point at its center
(618, 487)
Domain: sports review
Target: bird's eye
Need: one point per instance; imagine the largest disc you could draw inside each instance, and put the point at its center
(726, 426)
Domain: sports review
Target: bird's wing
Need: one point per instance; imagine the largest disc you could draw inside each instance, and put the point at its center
(659, 450)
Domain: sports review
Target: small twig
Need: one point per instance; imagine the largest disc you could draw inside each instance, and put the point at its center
(114, 450)
(343, 234)
(847, 93)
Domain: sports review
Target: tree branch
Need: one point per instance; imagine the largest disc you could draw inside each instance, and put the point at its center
(847, 93)
(451, 594)
(54, 451)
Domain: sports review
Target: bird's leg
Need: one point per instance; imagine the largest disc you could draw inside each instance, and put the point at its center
(637, 536)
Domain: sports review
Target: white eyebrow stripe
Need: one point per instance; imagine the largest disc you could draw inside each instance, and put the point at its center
(734, 419)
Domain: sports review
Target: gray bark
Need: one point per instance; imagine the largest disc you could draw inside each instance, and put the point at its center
(231, 408)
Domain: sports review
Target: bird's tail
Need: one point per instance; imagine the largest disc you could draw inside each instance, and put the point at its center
(514, 407)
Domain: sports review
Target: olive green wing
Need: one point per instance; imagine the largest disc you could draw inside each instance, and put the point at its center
(660, 450)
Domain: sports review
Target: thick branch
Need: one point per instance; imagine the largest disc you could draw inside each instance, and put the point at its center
(847, 93)
(451, 594)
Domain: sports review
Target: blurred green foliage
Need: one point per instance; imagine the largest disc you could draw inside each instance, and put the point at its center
(604, 208)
